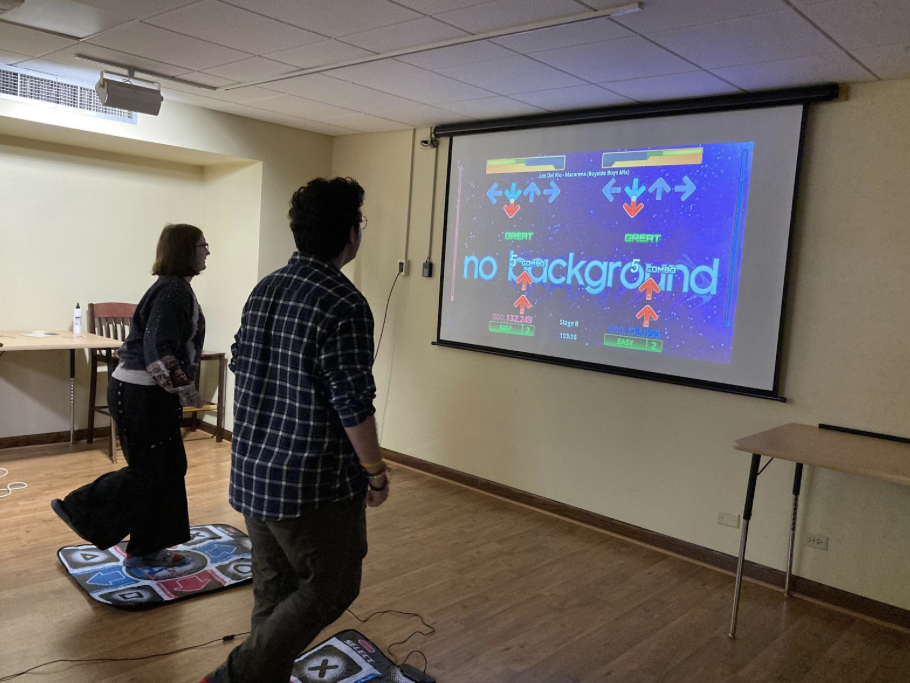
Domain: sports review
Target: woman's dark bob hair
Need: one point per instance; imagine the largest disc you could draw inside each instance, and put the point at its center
(176, 253)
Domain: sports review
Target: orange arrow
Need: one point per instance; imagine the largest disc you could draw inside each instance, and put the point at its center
(523, 303)
(633, 208)
(651, 286)
(648, 314)
(525, 279)
(511, 208)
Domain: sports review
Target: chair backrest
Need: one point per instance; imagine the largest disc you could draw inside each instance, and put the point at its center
(110, 319)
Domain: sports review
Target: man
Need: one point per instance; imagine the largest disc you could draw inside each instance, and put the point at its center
(305, 455)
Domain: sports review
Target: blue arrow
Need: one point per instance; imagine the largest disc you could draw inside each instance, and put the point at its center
(513, 194)
(609, 190)
(687, 189)
(217, 552)
(553, 192)
(531, 190)
(111, 577)
(493, 193)
(660, 186)
(636, 191)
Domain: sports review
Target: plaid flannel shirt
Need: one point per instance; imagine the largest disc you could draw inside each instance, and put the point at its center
(302, 361)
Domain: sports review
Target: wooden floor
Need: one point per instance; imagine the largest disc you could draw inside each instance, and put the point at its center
(514, 595)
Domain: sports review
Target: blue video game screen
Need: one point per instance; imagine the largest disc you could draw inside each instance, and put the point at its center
(617, 255)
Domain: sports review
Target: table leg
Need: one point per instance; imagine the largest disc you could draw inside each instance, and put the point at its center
(747, 515)
(219, 415)
(797, 482)
(72, 394)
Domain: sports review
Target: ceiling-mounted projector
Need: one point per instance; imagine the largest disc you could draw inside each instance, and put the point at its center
(126, 92)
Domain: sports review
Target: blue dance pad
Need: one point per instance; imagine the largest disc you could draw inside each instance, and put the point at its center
(216, 557)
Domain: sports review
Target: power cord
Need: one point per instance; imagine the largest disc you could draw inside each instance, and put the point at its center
(223, 639)
(386, 315)
(431, 631)
(10, 487)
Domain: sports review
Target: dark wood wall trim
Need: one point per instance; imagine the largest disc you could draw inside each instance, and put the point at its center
(833, 597)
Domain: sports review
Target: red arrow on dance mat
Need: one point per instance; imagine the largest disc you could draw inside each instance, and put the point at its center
(523, 303)
(648, 314)
(511, 209)
(525, 279)
(633, 208)
(651, 286)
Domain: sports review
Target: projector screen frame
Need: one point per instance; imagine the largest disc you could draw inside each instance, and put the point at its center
(776, 98)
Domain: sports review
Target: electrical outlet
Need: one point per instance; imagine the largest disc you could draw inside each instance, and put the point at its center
(403, 267)
(819, 541)
(728, 519)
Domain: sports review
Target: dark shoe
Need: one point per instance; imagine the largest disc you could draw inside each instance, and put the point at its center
(59, 507)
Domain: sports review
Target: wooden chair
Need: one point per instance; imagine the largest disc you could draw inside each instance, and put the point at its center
(114, 320)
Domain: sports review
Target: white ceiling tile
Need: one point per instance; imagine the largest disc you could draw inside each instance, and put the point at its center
(577, 97)
(207, 79)
(662, 15)
(30, 42)
(888, 62)
(438, 6)
(365, 123)
(507, 13)
(424, 115)
(492, 107)
(251, 69)
(331, 18)
(298, 106)
(152, 42)
(677, 86)
(408, 81)
(63, 16)
(510, 75)
(861, 25)
(352, 96)
(480, 51)
(136, 9)
(67, 56)
(324, 128)
(12, 57)
(319, 54)
(286, 120)
(407, 34)
(233, 27)
(615, 60)
(747, 40)
(785, 73)
(592, 31)
(237, 95)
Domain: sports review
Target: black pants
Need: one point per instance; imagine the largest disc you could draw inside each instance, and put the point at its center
(306, 573)
(147, 499)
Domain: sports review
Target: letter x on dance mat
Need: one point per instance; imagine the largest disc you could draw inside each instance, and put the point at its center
(217, 556)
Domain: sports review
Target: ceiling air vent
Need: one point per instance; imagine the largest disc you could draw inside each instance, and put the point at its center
(15, 83)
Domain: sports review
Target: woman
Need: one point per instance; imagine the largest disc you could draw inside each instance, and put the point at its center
(146, 395)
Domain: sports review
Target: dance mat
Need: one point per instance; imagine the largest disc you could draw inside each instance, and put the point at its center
(216, 557)
(350, 657)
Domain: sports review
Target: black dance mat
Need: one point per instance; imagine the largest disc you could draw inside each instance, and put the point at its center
(216, 557)
(350, 657)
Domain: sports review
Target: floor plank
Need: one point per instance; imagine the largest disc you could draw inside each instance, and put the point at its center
(515, 596)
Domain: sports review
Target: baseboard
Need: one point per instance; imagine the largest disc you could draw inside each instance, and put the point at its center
(103, 433)
(800, 587)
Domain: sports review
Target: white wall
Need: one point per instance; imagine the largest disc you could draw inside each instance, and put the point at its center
(660, 456)
(84, 202)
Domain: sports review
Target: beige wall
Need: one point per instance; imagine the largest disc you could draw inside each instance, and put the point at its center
(656, 455)
(84, 202)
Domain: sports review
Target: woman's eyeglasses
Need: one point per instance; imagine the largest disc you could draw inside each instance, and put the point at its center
(363, 222)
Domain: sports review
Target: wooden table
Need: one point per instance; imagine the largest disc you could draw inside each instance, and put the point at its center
(56, 340)
(868, 454)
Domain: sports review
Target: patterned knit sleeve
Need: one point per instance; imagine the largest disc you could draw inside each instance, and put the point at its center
(170, 326)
